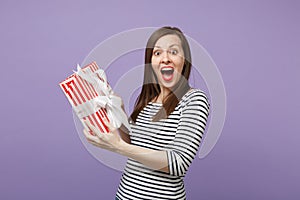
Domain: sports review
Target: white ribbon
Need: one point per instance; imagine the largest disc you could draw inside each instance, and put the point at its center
(107, 99)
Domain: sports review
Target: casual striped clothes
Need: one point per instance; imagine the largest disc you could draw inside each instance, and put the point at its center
(179, 135)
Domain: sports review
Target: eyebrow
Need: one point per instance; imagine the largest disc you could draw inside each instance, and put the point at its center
(169, 46)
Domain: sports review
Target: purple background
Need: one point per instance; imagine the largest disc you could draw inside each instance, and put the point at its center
(255, 44)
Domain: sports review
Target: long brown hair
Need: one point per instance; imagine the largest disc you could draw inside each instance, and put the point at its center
(151, 88)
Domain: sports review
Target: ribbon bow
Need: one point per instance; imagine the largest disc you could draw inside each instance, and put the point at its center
(106, 98)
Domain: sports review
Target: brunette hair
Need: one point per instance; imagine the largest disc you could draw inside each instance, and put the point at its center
(151, 88)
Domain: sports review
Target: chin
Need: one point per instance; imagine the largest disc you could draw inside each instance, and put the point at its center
(168, 85)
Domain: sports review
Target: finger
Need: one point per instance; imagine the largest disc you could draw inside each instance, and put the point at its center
(95, 143)
(85, 132)
(97, 133)
(88, 129)
(92, 127)
(109, 125)
(88, 136)
(101, 144)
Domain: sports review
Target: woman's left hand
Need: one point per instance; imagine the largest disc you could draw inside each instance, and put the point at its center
(110, 141)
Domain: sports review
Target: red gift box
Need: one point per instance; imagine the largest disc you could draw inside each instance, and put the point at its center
(78, 92)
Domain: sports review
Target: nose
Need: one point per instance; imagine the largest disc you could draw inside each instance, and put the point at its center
(165, 58)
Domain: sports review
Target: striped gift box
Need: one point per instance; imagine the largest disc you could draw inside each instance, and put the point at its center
(78, 92)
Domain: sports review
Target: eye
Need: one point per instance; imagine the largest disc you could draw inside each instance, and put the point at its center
(156, 53)
(173, 51)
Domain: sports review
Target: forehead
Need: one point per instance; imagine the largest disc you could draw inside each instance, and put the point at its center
(167, 41)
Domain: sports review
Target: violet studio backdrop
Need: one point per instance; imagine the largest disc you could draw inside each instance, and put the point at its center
(255, 45)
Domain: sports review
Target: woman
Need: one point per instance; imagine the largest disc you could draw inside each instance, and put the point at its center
(167, 122)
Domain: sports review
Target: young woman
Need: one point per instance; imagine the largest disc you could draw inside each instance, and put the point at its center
(168, 122)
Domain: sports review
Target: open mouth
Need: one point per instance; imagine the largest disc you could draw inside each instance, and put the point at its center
(167, 73)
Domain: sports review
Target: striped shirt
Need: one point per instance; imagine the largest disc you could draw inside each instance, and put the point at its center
(179, 135)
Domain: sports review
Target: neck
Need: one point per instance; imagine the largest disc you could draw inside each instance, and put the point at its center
(162, 95)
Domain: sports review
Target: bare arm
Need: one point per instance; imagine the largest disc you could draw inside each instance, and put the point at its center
(120, 143)
(154, 159)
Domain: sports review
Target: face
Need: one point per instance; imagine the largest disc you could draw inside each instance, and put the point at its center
(168, 60)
